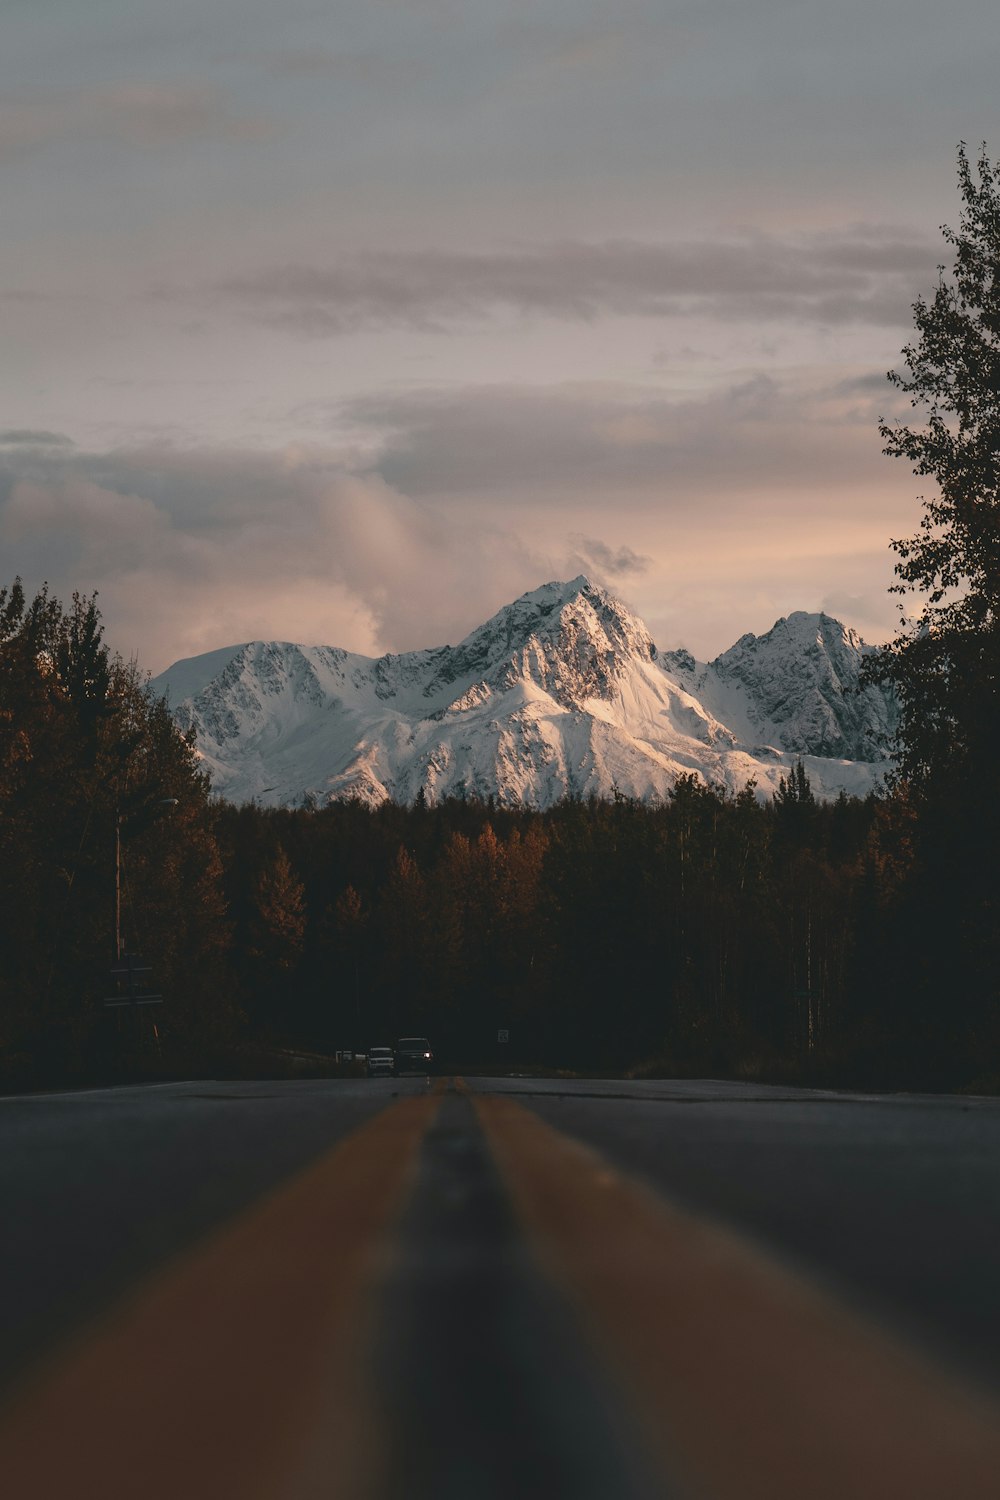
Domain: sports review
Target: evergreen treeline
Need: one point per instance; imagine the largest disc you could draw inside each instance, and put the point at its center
(90, 760)
(714, 933)
(711, 933)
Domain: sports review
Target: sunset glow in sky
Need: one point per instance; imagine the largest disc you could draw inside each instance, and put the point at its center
(349, 322)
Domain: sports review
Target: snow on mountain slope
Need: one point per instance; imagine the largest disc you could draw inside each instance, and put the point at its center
(560, 693)
(796, 687)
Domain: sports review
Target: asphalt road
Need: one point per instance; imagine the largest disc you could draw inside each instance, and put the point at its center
(100, 1187)
(500, 1287)
(892, 1200)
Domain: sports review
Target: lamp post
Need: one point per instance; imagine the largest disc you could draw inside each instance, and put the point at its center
(118, 883)
(162, 802)
(127, 967)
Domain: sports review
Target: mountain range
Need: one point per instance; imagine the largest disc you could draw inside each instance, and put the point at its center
(561, 693)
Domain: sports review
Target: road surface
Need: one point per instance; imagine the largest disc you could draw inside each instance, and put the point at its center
(498, 1287)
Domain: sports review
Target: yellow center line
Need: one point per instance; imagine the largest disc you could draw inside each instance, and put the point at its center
(239, 1371)
(750, 1382)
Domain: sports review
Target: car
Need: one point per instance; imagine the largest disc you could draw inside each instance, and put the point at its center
(413, 1055)
(381, 1063)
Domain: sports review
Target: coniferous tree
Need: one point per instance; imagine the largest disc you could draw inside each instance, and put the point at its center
(351, 920)
(105, 824)
(406, 966)
(945, 663)
(279, 919)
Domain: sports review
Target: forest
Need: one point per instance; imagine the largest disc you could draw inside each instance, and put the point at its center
(845, 942)
(711, 934)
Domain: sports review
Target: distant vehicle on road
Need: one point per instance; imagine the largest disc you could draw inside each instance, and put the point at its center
(413, 1055)
(380, 1062)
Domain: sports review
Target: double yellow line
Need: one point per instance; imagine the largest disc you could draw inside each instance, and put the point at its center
(237, 1374)
(241, 1373)
(750, 1383)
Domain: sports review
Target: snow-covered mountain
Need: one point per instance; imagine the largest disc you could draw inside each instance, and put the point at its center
(561, 693)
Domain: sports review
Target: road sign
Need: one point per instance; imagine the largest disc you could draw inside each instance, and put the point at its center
(503, 1035)
(128, 965)
(126, 972)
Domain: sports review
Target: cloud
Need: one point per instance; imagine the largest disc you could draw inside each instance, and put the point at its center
(567, 445)
(864, 275)
(197, 549)
(873, 606)
(872, 383)
(137, 114)
(600, 561)
(714, 512)
(30, 437)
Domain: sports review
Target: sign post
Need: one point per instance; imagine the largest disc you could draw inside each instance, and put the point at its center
(127, 972)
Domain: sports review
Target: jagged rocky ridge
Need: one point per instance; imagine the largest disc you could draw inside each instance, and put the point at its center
(561, 693)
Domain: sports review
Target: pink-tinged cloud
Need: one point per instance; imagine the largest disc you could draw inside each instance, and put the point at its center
(135, 114)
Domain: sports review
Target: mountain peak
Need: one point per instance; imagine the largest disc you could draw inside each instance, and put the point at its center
(571, 639)
(555, 592)
(560, 693)
(537, 605)
(803, 678)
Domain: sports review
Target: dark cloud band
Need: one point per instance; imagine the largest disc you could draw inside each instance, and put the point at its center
(867, 276)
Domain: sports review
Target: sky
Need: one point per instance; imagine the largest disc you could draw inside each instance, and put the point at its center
(349, 322)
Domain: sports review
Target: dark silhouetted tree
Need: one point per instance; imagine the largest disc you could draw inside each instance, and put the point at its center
(945, 663)
(280, 916)
(86, 750)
